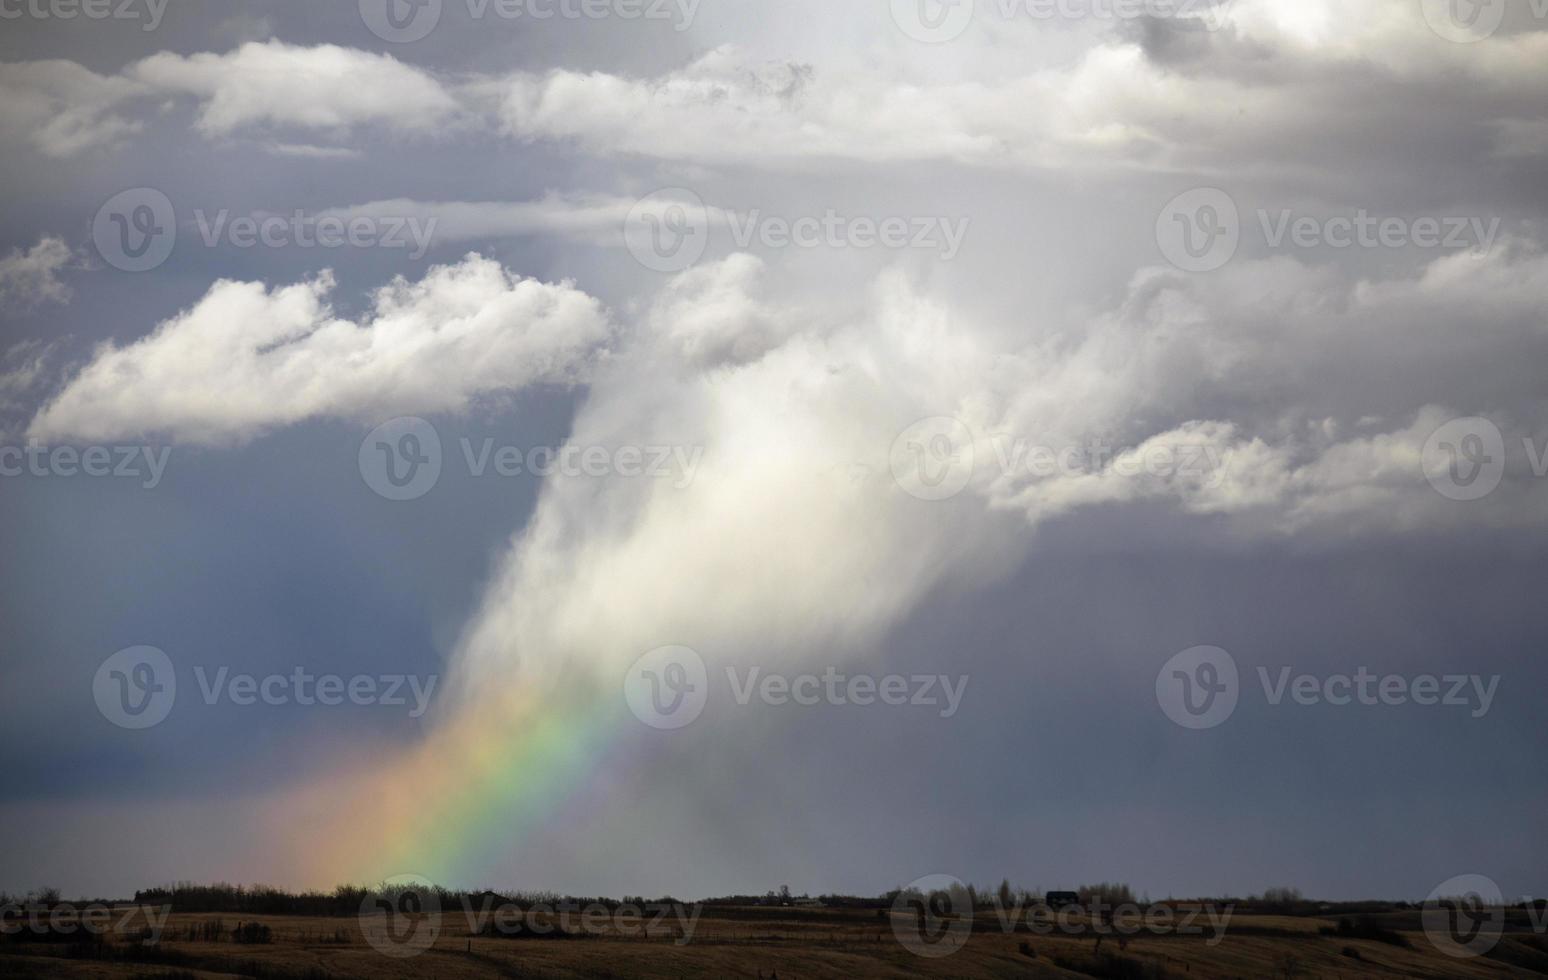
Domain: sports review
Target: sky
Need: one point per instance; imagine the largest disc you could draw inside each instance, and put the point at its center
(671, 447)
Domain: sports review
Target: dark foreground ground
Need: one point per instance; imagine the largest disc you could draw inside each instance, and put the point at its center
(788, 943)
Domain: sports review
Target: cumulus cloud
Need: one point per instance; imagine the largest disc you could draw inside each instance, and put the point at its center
(325, 88)
(30, 277)
(791, 470)
(1319, 389)
(1252, 373)
(65, 109)
(1266, 95)
(714, 315)
(247, 358)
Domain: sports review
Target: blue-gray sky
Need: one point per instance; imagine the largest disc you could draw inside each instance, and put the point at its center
(1319, 359)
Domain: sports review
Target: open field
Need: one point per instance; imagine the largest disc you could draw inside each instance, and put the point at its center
(758, 942)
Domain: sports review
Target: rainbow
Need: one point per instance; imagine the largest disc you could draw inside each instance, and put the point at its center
(506, 766)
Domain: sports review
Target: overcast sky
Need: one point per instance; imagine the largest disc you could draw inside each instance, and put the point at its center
(1010, 349)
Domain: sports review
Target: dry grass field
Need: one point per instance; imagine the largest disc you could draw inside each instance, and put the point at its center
(788, 943)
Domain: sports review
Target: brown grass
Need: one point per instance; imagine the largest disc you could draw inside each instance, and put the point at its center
(738, 942)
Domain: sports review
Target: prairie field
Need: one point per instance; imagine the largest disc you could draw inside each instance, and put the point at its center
(753, 942)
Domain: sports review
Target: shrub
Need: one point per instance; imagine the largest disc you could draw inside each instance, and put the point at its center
(208, 931)
(252, 934)
(1366, 929)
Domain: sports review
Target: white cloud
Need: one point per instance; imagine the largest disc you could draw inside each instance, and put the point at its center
(1293, 365)
(30, 277)
(62, 108)
(324, 88)
(784, 478)
(597, 219)
(309, 151)
(1267, 95)
(65, 109)
(713, 316)
(246, 359)
(798, 427)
